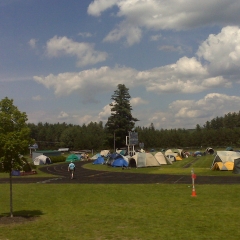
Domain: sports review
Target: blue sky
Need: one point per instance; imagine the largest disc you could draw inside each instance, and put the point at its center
(61, 60)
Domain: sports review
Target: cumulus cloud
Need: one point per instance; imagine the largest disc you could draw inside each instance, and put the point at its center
(105, 113)
(222, 51)
(155, 37)
(186, 76)
(32, 43)
(137, 101)
(37, 98)
(169, 48)
(170, 15)
(85, 53)
(189, 113)
(85, 34)
(63, 115)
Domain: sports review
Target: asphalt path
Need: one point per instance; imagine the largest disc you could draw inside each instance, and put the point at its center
(87, 176)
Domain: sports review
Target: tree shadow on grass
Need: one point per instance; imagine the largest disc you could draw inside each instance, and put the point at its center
(20, 216)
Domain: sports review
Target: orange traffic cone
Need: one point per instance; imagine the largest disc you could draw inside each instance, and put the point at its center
(193, 193)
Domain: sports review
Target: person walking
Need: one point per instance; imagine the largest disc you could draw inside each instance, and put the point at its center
(71, 169)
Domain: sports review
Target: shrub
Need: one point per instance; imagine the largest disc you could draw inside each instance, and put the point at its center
(56, 159)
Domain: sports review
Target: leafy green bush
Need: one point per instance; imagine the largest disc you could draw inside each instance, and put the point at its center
(56, 159)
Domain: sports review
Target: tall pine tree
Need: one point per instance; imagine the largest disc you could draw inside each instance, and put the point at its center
(121, 120)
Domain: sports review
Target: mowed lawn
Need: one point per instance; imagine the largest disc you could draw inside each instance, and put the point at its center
(144, 211)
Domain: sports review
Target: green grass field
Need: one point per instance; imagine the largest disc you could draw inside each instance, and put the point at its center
(125, 212)
(153, 211)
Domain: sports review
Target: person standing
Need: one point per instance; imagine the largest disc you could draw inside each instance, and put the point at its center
(71, 169)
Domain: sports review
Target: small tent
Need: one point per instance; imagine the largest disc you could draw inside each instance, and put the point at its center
(236, 167)
(161, 158)
(99, 160)
(41, 159)
(72, 158)
(224, 157)
(209, 150)
(143, 159)
(104, 153)
(95, 156)
(171, 158)
(120, 162)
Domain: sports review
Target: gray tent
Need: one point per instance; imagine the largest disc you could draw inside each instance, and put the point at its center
(236, 167)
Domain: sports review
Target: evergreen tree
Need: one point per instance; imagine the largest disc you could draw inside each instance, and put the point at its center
(121, 120)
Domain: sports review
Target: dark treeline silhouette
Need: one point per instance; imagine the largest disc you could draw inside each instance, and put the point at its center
(219, 132)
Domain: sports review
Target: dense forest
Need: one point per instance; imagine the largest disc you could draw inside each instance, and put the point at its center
(219, 132)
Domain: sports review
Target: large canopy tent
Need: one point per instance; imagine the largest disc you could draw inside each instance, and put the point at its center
(72, 158)
(224, 160)
(143, 159)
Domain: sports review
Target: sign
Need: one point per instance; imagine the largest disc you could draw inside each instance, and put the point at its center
(133, 138)
(34, 146)
(141, 145)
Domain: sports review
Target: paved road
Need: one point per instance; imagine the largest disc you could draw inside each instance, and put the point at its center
(86, 176)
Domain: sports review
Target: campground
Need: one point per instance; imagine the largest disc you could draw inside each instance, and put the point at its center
(101, 202)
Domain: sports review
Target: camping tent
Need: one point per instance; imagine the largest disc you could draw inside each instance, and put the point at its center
(236, 167)
(143, 159)
(227, 166)
(171, 158)
(72, 158)
(175, 153)
(41, 159)
(229, 149)
(224, 157)
(95, 156)
(104, 153)
(99, 160)
(120, 162)
(209, 150)
(161, 158)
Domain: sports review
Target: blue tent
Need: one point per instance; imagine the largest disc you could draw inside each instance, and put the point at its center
(99, 160)
(120, 162)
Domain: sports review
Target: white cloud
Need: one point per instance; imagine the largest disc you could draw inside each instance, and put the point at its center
(32, 43)
(169, 48)
(85, 34)
(63, 115)
(84, 52)
(155, 37)
(189, 113)
(37, 98)
(186, 76)
(172, 14)
(105, 113)
(132, 33)
(222, 51)
(137, 101)
(98, 6)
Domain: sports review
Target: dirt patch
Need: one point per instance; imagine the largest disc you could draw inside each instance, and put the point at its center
(6, 220)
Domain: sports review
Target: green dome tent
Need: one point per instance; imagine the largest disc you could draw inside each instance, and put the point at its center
(72, 157)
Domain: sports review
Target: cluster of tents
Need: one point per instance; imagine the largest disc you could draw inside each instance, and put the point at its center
(140, 159)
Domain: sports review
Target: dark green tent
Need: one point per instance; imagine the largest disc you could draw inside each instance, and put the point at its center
(236, 167)
(73, 158)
